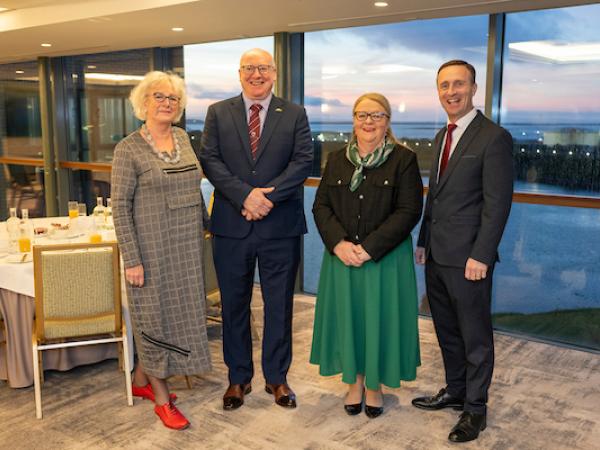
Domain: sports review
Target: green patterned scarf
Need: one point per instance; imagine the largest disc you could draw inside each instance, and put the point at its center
(372, 160)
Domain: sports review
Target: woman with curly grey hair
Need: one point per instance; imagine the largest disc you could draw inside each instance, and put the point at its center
(160, 220)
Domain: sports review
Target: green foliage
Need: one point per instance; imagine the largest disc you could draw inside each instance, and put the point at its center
(579, 327)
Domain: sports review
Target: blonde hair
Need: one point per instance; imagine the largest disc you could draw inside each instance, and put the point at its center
(140, 92)
(384, 103)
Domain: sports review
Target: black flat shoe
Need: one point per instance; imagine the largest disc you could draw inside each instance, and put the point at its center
(373, 411)
(439, 401)
(353, 410)
(468, 427)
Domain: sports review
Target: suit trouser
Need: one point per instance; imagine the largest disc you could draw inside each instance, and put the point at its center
(235, 262)
(461, 311)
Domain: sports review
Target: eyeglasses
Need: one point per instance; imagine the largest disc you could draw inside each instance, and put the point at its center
(262, 69)
(361, 116)
(160, 97)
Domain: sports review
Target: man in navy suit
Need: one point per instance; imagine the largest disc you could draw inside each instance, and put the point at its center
(257, 151)
(469, 199)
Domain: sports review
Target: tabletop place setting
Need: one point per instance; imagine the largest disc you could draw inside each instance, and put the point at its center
(20, 233)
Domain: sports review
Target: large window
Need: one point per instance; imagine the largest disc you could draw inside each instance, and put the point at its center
(21, 174)
(398, 60)
(98, 88)
(551, 99)
(547, 283)
(99, 115)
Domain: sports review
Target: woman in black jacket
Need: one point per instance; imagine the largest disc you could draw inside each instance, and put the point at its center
(369, 199)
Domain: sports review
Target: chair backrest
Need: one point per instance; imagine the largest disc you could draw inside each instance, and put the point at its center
(77, 290)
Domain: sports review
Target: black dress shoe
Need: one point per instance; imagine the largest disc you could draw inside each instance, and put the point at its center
(439, 401)
(373, 411)
(468, 427)
(353, 410)
(284, 396)
(234, 395)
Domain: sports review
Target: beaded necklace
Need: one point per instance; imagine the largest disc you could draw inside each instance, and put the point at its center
(174, 159)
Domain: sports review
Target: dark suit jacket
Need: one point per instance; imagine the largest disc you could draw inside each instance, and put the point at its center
(380, 214)
(283, 161)
(467, 209)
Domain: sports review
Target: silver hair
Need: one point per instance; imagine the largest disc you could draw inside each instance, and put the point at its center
(140, 92)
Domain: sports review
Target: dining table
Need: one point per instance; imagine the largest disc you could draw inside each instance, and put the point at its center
(17, 303)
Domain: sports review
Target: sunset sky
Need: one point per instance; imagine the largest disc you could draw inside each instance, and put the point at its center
(401, 60)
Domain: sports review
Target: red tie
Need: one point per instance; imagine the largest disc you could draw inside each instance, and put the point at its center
(254, 128)
(446, 153)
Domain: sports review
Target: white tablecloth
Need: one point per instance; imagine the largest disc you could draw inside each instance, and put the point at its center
(17, 307)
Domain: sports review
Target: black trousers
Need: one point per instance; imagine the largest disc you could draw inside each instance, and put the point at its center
(461, 311)
(235, 262)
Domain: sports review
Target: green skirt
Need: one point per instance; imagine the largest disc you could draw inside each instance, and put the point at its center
(366, 319)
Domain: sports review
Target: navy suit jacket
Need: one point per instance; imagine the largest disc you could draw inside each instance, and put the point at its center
(467, 208)
(283, 161)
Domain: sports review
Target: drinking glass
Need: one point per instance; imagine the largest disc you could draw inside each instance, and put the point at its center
(73, 210)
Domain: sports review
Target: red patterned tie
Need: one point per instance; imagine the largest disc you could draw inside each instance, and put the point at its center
(254, 128)
(447, 146)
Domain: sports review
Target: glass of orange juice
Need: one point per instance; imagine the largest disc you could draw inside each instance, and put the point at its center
(24, 244)
(73, 210)
(95, 237)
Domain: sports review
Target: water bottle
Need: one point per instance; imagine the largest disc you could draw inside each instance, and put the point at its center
(108, 217)
(98, 214)
(25, 232)
(12, 226)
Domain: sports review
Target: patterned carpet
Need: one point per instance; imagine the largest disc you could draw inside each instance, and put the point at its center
(542, 397)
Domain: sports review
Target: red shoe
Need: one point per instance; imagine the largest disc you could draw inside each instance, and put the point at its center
(147, 392)
(171, 417)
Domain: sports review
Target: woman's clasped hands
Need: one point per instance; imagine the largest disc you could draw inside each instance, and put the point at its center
(351, 254)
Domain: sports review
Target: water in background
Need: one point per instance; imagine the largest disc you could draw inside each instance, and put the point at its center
(427, 130)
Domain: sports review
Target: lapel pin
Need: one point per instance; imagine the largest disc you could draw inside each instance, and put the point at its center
(278, 110)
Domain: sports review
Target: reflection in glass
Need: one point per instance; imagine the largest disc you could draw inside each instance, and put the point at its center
(100, 114)
(397, 60)
(20, 137)
(23, 188)
(88, 185)
(547, 283)
(550, 95)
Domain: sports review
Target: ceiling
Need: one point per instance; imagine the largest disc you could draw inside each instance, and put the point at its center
(93, 26)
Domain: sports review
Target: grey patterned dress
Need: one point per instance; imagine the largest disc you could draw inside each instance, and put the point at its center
(159, 213)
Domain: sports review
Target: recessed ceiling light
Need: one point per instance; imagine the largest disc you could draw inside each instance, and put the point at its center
(177, 29)
(3, 9)
(45, 44)
(91, 66)
(380, 4)
(19, 71)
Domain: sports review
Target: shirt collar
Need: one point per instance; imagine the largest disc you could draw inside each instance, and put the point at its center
(465, 120)
(264, 102)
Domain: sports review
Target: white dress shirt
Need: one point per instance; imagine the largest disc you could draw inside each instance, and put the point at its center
(461, 126)
(262, 114)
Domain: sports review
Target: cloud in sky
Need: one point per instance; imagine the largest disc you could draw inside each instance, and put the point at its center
(211, 71)
(442, 38)
(197, 90)
(318, 101)
(401, 60)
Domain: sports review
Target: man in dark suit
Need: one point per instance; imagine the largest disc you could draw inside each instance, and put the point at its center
(257, 151)
(469, 199)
